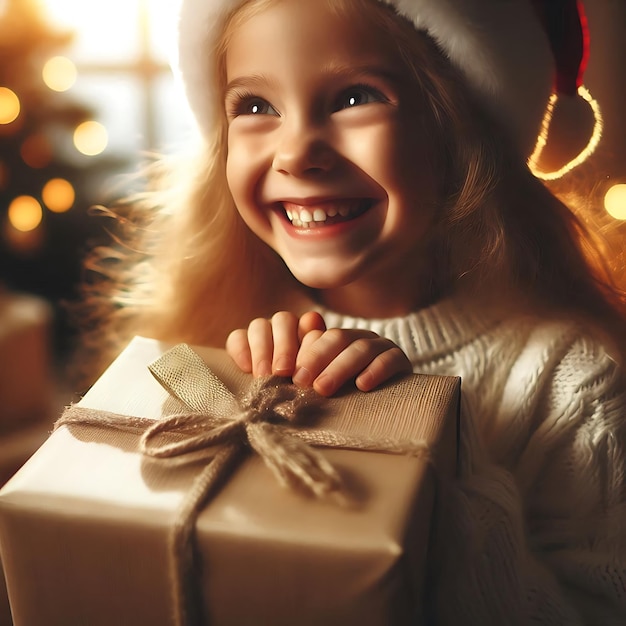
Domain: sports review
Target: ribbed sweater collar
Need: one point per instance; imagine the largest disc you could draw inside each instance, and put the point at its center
(425, 334)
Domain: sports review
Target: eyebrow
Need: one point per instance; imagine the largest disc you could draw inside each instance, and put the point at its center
(247, 82)
(331, 69)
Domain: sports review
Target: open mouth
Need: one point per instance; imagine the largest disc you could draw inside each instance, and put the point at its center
(325, 213)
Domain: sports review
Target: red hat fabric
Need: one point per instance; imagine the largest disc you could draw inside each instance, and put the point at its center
(566, 25)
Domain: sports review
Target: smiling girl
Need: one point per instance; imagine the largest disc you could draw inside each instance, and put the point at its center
(361, 208)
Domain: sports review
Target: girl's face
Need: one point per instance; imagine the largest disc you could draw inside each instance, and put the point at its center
(328, 160)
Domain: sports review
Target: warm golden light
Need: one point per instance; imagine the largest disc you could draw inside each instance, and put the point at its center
(36, 151)
(589, 149)
(9, 106)
(97, 24)
(58, 195)
(615, 202)
(59, 73)
(90, 138)
(25, 213)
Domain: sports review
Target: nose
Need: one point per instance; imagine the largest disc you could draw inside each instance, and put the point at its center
(303, 149)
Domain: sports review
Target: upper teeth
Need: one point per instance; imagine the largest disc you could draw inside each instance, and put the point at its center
(302, 216)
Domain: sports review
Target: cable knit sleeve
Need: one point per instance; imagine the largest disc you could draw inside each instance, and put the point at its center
(540, 536)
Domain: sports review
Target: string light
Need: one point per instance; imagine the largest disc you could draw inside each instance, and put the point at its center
(615, 202)
(25, 213)
(90, 138)
(59, 73)
(58, 195)
(543, 138)
(9, 105)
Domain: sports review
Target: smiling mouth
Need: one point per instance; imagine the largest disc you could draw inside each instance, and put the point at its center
(325, 213)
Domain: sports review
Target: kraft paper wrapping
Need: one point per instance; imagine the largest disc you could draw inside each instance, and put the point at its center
(84, 524)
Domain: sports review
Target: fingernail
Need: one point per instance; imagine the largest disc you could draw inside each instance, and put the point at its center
(283, 366)
(302, 377)
(324, 385)
(365, 381)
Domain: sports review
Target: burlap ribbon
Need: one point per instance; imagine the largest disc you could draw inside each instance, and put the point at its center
(221, 427)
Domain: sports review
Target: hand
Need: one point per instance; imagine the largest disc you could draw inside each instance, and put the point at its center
(305, 350)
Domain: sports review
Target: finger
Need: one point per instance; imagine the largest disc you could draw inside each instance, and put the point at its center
(311, 320)
(319, 349)
(261, 346)
(286, 343)
(238, 348)
(348, 364)
(302, 376)
(386, 365)
(356, 360)
(307, 341)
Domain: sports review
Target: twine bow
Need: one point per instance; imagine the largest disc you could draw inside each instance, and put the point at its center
(259, 419)
(221, 427)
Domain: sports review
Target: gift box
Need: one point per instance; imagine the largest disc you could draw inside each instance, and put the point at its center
(89, 526)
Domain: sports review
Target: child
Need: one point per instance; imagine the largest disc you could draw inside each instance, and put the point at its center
(364, 172)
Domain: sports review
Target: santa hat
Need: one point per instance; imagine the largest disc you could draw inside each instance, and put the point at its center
(514, 53)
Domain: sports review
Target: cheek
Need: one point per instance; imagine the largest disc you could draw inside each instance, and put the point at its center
(235, 169)
(244, 173)
(395, 155)
(416, 158)
(412, 184)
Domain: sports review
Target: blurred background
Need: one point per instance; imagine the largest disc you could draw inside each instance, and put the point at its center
(86, 92)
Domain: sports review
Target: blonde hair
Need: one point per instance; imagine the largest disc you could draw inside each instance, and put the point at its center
(191, 271)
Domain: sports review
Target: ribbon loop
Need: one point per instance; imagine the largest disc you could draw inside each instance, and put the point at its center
(260, 419)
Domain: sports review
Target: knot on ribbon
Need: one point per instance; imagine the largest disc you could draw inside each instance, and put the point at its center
(261, 420)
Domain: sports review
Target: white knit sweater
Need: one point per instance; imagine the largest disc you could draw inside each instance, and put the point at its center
(534, 530)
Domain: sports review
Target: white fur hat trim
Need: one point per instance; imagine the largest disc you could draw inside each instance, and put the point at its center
(499, 45)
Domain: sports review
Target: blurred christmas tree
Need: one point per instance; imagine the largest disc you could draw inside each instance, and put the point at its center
(47, 179)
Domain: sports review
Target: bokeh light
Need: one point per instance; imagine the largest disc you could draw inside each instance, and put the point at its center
(59, 73)
(36, 151)
(58, 195)
(25, 213)
(9, 105)
(91, 138)
(615, 201)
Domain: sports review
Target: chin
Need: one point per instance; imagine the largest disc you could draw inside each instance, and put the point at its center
(329, 272)
(316, 283)
(315, 280)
